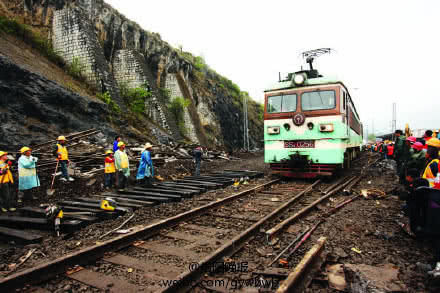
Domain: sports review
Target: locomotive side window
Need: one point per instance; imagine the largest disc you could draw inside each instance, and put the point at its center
(318, 100)
(283, 103)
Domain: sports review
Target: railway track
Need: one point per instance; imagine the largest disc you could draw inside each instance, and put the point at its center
(184, 251)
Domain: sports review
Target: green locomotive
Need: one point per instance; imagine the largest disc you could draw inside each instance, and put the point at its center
(311, 126)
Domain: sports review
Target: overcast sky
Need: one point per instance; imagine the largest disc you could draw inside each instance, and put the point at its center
(385, 51)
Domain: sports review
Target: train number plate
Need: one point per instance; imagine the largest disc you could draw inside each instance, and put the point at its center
(296, 144)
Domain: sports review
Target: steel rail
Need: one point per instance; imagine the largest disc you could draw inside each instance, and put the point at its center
(271, 232)
(298, 280)
(189, 278)
(52, 268)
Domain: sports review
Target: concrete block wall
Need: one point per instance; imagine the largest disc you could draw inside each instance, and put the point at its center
(130, 68)
(74, 37)
(172, 85)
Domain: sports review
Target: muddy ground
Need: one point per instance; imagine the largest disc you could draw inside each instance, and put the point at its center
(53, 247)
(363, 232)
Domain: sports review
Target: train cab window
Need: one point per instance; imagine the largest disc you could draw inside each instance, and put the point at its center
(318, 100)
(289, 103)
(274, 104)
(283, 103)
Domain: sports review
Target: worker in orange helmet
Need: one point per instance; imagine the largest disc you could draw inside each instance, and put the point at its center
(5, 183)
(62, 155)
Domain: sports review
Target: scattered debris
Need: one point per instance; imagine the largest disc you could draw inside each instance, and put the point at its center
(356, 250)
(336, 277)
(119, 227)
(366, 278)
(23, 259)
(372, 193)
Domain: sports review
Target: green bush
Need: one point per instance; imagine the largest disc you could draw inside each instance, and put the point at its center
(76, 69)
(199, 63)
(106, 98)
(43, 45)
(177, 108)
(166, 94)
(135, 98)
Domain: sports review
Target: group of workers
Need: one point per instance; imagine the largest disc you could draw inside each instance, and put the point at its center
(417, 161)
(415, 157)
(116, 170)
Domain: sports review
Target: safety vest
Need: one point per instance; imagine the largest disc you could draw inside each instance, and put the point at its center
(110, 167)
(62, 150)
(390, 150)
(5, 178)
(428, 173)
(124, 160)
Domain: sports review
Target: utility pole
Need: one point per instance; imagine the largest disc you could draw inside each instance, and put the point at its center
(245, 124)
(393, 123)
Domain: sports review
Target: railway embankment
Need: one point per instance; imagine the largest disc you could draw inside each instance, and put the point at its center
(362, 238)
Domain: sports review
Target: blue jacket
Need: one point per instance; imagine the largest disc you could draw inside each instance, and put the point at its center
(27, 173)
(115, 146)
(146, 168)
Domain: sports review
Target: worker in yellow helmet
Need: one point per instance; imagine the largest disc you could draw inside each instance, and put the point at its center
(62, 154)
(27, 173)
(110, 169)
(122, 165)
(431, 172)
(5, 183)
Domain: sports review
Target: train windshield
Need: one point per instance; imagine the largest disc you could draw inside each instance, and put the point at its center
(318, 100)
(282, 103)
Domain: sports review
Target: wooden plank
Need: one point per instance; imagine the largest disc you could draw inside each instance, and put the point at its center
(181, 186)
(298, 280)
(91, 205)
(20, 235)
(206, 230)
(155, 270)
(188, 237)
(162, 248)
(165, 190)
(99, 213)
(139, 197)
(236, 217)
(172, 197)
(104, 282)
(121, 204)
(128, 200)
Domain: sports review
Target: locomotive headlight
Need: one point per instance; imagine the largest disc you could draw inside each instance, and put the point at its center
(326, 127)
(273, 130)
(299, 79)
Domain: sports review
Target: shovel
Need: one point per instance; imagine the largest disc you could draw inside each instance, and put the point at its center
(51, 191)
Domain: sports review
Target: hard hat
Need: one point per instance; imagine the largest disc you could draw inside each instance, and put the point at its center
(418, 146)
(148, 146)
(412, 139)
(3, 153)
(121, 143)
(434, 142)
(61, 137)
(109, 152)
(24, 149)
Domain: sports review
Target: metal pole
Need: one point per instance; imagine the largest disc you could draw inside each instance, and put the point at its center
(245, 124)
(394, 121)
